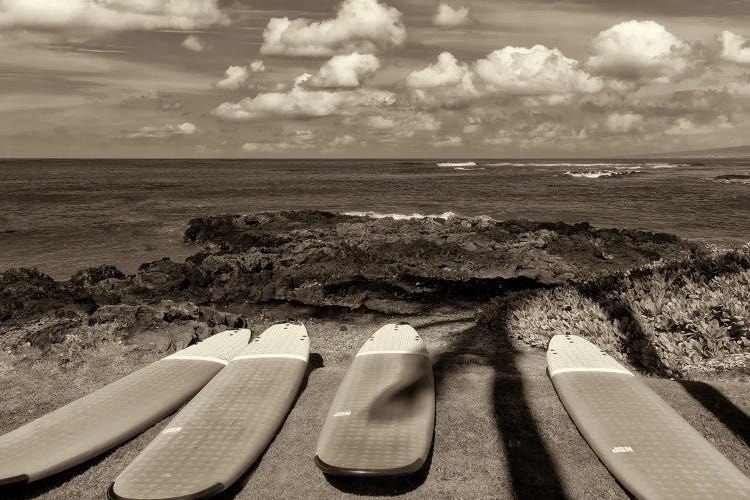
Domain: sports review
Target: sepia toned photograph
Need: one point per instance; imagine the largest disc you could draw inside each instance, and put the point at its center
(339, 249)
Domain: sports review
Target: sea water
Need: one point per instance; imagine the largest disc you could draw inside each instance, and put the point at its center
(63, 215)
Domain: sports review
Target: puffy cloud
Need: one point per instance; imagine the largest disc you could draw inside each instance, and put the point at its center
(640, 51)
(257, 66)
(111, 14)
(300, 139)
(193, 43)
(534, 71)
(448, 17)
(738, 89)
(381, 122)
(452, 141)
(359, 25)
(343, 140)
(685, 126)
(303, 103)
(236, 76)
(447, 71)
(734, 48)
(349, 70)
(163, 131)
(623, 123)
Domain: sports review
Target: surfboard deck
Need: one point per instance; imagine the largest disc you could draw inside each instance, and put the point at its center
(651, 450)
(381, 420)
(223, 430)
(111, 415)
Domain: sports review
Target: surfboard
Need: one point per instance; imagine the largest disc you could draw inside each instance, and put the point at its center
(109, 416)
(216, 437)
(651, 450)
(382, 417)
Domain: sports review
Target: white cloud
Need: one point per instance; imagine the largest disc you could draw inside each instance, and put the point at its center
(452, 141)
(623, 123)
(343, 140)
(685, 126)
(641, 51)
(111, 14)
(303, 103)
(735, 48)
(298, 140)
(163, 131)
(236, 76)
(738, 89)
(381, 122)
(447, 71)
(193, 43)
(349, 70)
(359, 25)
(257, 66)
(448, 17)
(534, 71)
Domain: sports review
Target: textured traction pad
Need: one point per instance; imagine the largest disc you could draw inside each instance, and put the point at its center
(216, 437)
(645, 444)
(382, 417)
(105, 418)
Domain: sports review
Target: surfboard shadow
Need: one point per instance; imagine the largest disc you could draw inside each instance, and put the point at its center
(383, 486)
(727, 412)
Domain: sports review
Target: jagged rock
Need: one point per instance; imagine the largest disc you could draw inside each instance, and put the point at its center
(27, 292)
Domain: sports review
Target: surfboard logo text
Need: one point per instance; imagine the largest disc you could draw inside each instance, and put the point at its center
(342, 413)
(622, 449)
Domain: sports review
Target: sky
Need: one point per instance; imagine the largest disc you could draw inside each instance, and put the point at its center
(368, 78)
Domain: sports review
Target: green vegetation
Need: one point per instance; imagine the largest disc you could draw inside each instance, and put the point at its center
(672, 318)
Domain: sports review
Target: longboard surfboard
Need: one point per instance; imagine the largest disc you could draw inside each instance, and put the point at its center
(223, 430)
(382, 418)
(651, 450)
(113, 414)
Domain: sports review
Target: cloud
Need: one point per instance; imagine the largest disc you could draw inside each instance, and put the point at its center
(381, 122)
(236, 76)
(359, 25)
(685, 126)
(639, 51)
(343, 140)
(734, 48)
(350, 70)
(453, 141)
(448, 17)
(193, 43)
(303, 103)
(111, 14)
(163, 131)
(535, 71)
(447, 71)
(257, 66)
(623, 123)
(738, 89)
(300, 139)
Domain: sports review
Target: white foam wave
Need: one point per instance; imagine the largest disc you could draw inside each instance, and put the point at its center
(378, 215)
(467, 169)
(596, 174)
(457, 164)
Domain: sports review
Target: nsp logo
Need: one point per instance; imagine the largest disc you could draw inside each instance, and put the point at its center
(622, 449)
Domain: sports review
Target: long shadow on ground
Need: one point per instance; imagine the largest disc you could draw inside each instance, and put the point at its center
(532, 471)
(714, 401)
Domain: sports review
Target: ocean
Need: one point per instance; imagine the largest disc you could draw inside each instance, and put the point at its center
(64, 215)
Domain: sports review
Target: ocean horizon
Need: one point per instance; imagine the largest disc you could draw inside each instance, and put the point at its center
(62, 215)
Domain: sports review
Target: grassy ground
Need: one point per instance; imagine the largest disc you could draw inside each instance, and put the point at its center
(501, 431)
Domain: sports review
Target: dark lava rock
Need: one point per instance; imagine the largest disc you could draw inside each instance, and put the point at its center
(27, 292)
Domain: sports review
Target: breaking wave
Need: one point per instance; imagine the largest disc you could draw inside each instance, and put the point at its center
(378, 215)
(457, 164)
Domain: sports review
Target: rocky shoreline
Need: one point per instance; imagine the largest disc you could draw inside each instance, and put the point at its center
(309, 262)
